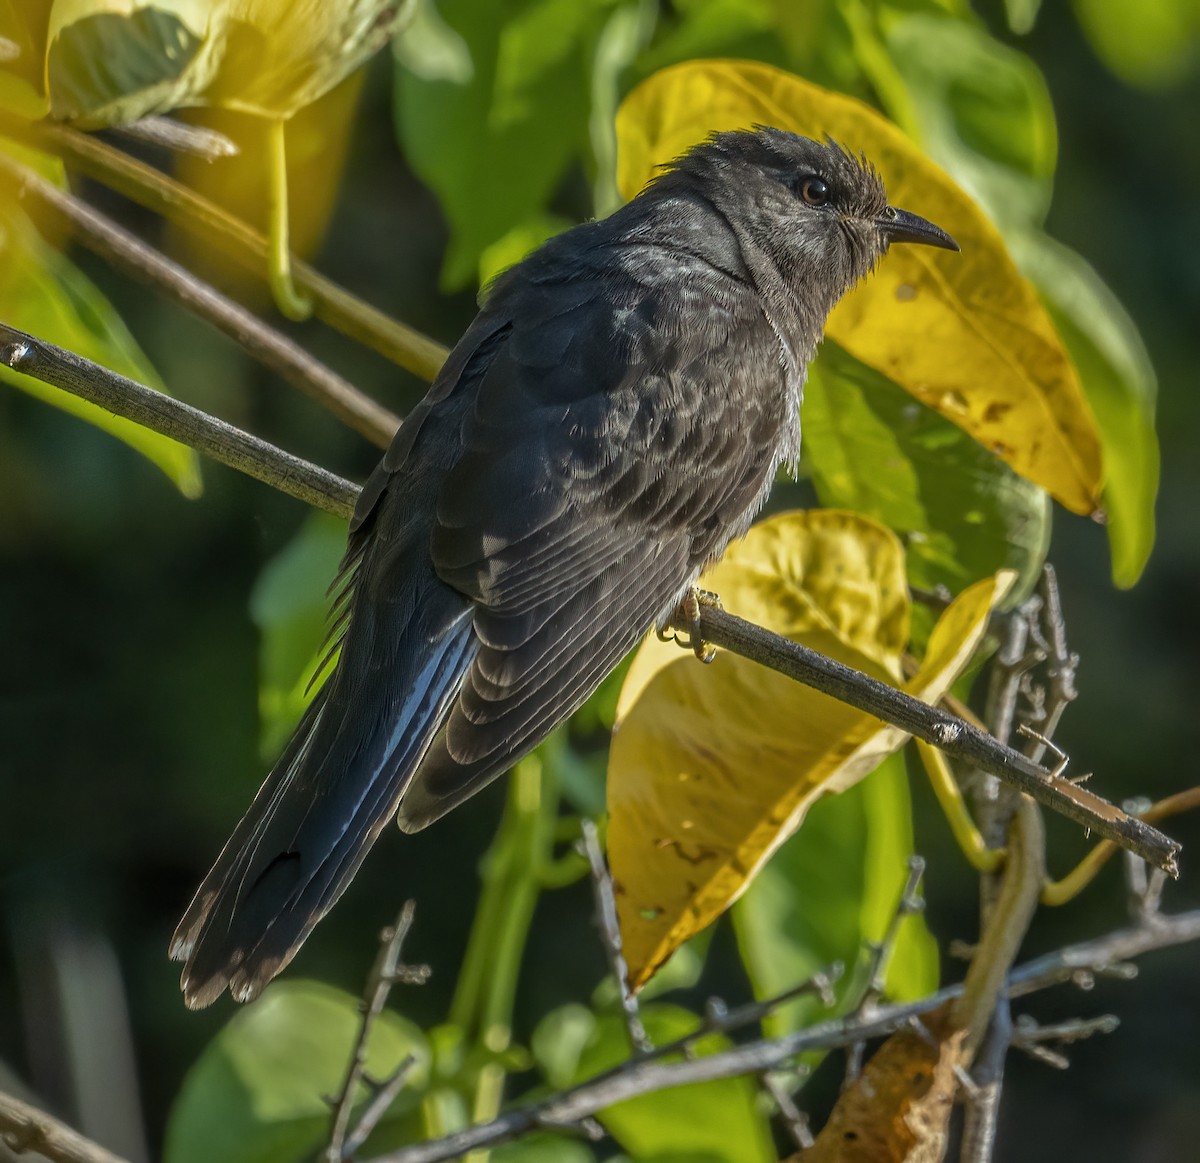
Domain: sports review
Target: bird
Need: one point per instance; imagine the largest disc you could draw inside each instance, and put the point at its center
(611, 420)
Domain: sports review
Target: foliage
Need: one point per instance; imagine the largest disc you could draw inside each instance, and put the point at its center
(1029, 381)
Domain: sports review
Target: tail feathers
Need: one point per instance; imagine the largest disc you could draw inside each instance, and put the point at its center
(333, 790)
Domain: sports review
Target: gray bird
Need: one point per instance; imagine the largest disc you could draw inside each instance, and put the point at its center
(610, 421)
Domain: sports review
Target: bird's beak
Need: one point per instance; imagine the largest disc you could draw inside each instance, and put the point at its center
(903, 226)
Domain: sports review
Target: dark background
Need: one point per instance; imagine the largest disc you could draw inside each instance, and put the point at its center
(128, 732)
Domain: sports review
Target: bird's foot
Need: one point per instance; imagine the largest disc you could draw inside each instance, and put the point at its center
(688, 611)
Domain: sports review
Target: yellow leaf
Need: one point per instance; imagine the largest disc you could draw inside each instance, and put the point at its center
(712, 768)
(270, 58)
(965, 334)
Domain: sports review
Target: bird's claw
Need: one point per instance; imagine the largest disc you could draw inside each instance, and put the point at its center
(688, 611)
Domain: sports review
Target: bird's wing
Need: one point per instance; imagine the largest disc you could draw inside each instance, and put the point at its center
(605, 463)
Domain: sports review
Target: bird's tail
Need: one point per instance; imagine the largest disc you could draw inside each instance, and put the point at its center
(336, 785)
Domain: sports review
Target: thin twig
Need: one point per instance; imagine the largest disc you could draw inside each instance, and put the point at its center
(152, 189)
(645, 1076)
(323, 490)
(1031, 1037)
(794, 1120)
(160, 413)
(880, 953)
(265, 344)
(610, 933)
(25, 1128)
(386, 972)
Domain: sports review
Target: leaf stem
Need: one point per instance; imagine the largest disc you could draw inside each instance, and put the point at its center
(288, 299)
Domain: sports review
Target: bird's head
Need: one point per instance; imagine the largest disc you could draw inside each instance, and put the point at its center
(818, 212)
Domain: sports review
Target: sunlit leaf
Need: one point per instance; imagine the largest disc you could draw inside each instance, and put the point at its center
(517, 243)
(712, 768)
(717, 1122)
(290, 607)
(1120, 383)
(114, 61)
(829, 893)
(963, 514)
(44, 294)
(964, 333)
(898, 1110)
(258, 1091)
(1153, 43)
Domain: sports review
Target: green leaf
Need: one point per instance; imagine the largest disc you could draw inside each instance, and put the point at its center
(257, 1092)
(521, 110)
(983, 111)
(827, 893)
(44, 294)
(510, 248)
(962, 512)
(1153, 43)
(559, 1041)
(290, 607)
(1121, 388)
(542, 1148)
(710, 1122)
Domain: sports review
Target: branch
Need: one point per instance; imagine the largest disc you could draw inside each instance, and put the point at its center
(150, 188)
(170, 417)
(315, 486)
(950, 734)
(25, 1128)
(264, 344)
(641, 1076)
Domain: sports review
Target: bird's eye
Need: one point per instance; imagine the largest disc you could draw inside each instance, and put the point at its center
(814, 191)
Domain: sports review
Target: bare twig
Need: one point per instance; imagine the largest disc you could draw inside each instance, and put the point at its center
(386, 972)
(25, 1128)
(794, 1120)
(646, 1075)
(610, 932)
(323, 490)
(265, 344)
(223, 442)
(1031, 1037)
(910, 902)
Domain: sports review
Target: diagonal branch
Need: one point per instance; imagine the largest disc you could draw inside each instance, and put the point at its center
(315, 486)
(641, 1076)
(26, 1128)
(265, 344)
(170, 417)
